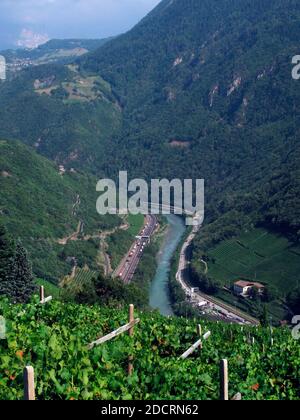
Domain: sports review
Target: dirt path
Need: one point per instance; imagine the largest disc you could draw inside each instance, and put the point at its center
(104, 258)
(73, 236)
(206, 266)
(73, 273)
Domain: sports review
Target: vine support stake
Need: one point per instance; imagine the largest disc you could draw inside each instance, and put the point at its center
(44, 300)
(195, 346)
(42, 294)
(224, 380)
(131, 333)
(29, 391)
(199, 330)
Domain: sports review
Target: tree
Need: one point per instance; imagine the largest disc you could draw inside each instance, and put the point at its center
(254, 294)
(113, 292)
(22, 284)
(265, 317)
(6, 260)
(293, 301)
(270, 294)
(206, 283)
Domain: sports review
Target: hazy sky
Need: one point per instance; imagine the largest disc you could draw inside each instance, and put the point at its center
(29, 22)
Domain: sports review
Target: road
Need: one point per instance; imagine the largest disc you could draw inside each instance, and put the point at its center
(200, 299)
(130, 262)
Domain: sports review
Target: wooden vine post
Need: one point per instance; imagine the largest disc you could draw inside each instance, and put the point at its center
(131, 333)
(42, 294)
(199, 330)
(224, 380)
(44, 300)
(29, 389)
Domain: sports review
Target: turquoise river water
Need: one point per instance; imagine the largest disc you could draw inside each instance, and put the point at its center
(159, 297)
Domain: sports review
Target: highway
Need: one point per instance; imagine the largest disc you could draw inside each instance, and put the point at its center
(130, 262)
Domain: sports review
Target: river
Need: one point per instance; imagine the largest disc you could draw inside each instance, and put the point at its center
(159, 296)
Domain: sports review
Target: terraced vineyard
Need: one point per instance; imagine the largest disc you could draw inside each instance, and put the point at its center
(79, 283)
(84, 276)
(260, 255)
(53, 339)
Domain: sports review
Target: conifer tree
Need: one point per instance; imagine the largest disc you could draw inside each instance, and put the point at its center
(6, 261)
(22, 285)
(265, 317)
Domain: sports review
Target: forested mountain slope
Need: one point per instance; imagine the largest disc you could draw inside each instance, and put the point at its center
(43, 206)
(204, 89)
(65, 115)
(207, 92)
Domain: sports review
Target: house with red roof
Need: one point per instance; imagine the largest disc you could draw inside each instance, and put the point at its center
(243, 288)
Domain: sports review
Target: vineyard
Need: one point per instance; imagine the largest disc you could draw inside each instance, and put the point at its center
(83, 276)
(54, 338)
(81, 281)
(259, 255)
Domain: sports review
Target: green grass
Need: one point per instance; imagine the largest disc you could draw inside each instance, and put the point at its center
(136, 223)
(257, 255)
(50, 289)
(84, 88)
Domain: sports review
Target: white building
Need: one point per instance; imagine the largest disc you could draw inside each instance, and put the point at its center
(243, 288)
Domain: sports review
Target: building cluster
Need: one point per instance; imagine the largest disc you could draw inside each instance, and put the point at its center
(19, 64)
